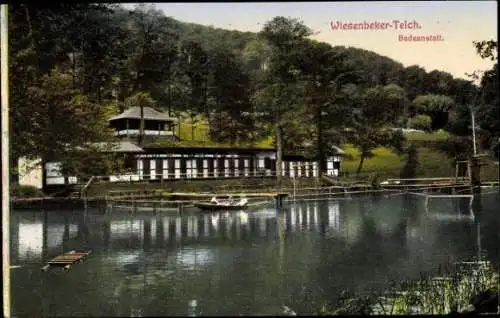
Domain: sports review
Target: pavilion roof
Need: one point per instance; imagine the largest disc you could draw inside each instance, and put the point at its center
(149, 114)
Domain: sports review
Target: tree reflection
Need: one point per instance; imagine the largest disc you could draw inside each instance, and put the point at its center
(243, 262)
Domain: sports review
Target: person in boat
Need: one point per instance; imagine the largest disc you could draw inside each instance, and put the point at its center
(229, 201)
(243, 201)
(214, 200)
(220, 202)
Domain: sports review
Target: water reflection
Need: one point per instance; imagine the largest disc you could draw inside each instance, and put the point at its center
(334, 219)
(240, 262)
(194, 257)
(34, 238)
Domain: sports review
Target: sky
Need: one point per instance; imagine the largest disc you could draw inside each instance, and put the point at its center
(450, 26)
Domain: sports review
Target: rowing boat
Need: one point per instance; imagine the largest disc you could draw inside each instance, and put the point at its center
(219, 207)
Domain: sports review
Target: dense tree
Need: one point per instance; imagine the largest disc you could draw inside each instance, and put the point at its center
(371, 124)
(141, 100)
(63, 123)
(194, 62)
(286, 37)
(488, 99)
(412, 79)
(86, 61)
(155, 50)
(483, 100)
(326, 73)
(439, 83)
(487, 112)
(436, 106)
(230, 118)
(409, 170)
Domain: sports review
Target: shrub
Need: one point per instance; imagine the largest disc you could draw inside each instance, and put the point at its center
(375, 181)
(421, 122)
(25, 191)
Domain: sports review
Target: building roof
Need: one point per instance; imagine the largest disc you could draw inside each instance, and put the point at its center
(149, 114)
(207, 150)
(338, 150)
(120, 146)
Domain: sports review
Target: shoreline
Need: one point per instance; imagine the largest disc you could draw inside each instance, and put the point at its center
(95, 201)
(51, 202)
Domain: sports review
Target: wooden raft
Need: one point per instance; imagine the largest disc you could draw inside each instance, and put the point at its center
(66, 260)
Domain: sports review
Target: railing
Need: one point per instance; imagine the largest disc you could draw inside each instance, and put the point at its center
(135, 132)
(445, 180)
(160, 177)
(135, 194)
(83, 191)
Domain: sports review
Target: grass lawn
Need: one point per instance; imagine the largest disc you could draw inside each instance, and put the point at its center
(439, 135)
(386, 163)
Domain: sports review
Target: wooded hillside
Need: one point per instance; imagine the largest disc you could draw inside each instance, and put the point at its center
(74, 65)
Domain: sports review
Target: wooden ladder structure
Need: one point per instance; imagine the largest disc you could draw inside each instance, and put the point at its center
(66, 260)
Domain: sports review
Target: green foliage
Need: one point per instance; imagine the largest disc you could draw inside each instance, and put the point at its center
(18, 191)
(487, 112)
(369, 130)
(486, 49)
(195, 129)
(382, 160)
(74, 65)
(375, 180)
(432, 294)
(436, 106)
(139, 99)
(439, 83)
(92, 160)
(439, 135)
(230, 114)
(409, 170)
(431, 161)
(484, 102)
(431, 103)
(421, 122)
(61, 118)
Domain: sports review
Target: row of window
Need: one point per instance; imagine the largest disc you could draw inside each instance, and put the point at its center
(217, 168)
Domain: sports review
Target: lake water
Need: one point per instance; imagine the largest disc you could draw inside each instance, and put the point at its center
(252, 263)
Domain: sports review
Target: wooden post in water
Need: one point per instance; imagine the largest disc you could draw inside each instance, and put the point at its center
(475, 175)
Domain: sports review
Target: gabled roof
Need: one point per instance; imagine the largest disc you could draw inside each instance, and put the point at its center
(149, 114)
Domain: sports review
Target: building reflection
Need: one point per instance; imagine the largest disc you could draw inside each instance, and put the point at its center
(34, 236)
(334, 216)
(35, 239)
(49, 234)
(314, 216)
(43, 235)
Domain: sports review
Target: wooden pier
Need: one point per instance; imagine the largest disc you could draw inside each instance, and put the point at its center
(179, 200)
(66, 260)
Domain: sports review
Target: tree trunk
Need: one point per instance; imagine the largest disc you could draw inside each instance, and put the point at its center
(279, 155)
(319, 141)
(192, 128)
(141, 127)
(205, 100)
(179, 127)
(44, 175)
(169, 98)
(361, 161)
(74, 68)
